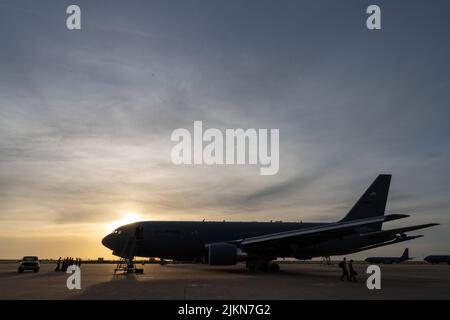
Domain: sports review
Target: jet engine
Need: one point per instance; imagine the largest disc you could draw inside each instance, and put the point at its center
(224, 254)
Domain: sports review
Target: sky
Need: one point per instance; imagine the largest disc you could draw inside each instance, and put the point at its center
(86, 116)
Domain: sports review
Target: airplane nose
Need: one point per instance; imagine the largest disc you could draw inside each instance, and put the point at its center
(107, 241)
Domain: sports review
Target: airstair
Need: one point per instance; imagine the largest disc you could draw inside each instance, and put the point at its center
(126, 264)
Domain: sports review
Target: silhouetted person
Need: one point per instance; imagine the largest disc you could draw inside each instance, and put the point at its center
(352, 272)
(343, 266)
(58, 265)
(64, 264)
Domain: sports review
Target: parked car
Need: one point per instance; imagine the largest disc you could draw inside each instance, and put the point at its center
(29, 263)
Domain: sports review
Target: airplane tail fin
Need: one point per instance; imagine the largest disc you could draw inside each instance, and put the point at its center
(405, 254)
(372, 203)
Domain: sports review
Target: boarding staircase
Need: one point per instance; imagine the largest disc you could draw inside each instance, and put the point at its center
(125, 264)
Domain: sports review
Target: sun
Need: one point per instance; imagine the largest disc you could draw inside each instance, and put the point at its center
(128, 217)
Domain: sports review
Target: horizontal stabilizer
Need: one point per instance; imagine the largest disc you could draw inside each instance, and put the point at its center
(398, 230)
(392, 217)
(382, 244)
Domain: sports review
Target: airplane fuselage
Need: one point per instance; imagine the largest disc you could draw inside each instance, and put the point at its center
(436, 259)
(186, 240)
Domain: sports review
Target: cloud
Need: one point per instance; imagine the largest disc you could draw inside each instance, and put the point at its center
(86, 118)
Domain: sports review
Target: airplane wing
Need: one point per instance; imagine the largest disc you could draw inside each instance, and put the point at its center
(315, 234)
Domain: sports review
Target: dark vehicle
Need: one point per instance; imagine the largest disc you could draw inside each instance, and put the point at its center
(29, 263)
(438, 259)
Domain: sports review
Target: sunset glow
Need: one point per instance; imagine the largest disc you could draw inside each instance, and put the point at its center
(128, 217)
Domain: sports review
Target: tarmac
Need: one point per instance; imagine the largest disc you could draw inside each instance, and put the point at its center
(197, 281)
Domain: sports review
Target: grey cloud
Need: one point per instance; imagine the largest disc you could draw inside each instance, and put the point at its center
(86, 118)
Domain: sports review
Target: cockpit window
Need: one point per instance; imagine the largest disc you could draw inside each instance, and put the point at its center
(117, 231)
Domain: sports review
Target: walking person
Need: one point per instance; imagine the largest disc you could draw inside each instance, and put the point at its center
(64, 265)
(352, 272)
(343, 266)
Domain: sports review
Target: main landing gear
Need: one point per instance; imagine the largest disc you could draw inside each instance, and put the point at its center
(262, 265)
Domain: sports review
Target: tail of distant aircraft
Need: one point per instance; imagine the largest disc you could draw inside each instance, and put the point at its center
(372, 203)
(405, 254)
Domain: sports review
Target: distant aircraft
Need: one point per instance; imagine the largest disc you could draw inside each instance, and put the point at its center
(390, 260)
(259, 243)
(438, 259)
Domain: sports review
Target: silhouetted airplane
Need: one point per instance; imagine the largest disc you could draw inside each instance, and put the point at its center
(258, 243)
(438, 259)
(390, 260)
